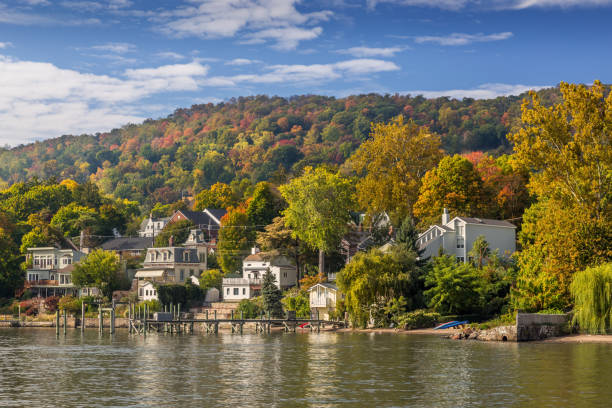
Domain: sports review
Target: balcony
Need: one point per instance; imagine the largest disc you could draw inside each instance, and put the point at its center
(242, 281)
(41, 282)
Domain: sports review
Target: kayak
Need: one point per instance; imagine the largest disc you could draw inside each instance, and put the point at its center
(448, 325)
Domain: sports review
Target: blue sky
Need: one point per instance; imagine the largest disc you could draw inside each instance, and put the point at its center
(80, 66)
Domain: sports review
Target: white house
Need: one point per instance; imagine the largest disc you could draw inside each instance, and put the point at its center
(147, 292)
(456, 237)
(254, 267)
(51, 271)
(150, 227)
(323, 298)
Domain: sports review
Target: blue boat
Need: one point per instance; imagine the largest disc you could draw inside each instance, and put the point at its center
(449, 325)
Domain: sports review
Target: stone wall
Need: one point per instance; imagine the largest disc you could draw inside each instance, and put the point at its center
(535, 326)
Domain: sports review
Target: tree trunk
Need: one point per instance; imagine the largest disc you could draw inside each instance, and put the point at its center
(321, 262)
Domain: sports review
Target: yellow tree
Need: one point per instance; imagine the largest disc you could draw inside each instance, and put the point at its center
(392, 162)
(567, 148)
(219, 195)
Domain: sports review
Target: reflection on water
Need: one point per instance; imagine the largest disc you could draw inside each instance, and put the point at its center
(309, 369)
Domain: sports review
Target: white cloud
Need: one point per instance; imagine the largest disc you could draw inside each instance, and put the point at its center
(366, 52)
(170, 55)
(462, 38)
(485, 91)
(37, 2)
(17, 17)
(456, 5)
(315, 73)
(254, 21)
(242, 61)
(51, 101)
(119, 48)
(5, 44)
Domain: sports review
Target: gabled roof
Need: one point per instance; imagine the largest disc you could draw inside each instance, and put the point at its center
(204, 219)
(487, 221)
(324, 284)
(144, 222)
(216, 213)
(126, 244)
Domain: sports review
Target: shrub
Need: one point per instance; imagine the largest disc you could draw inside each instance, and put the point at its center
(153, 305)
(249, 309)
(298, 301)
(70, 304)
(592, 292)
(51, 304)
(418, 319)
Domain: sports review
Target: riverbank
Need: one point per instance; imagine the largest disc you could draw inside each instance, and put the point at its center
(579, 338)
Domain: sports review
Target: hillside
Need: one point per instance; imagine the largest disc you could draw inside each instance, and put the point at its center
(259, 138)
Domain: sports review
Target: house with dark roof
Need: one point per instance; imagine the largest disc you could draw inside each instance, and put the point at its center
(128, 246)
(456, 237)
(208, 221)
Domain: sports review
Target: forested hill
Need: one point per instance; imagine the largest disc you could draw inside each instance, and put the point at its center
(259, 138)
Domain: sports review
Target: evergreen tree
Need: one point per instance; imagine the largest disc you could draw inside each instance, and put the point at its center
(272, 295)
(408, 235)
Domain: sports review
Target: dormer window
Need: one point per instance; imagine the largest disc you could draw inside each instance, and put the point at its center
(186, 256)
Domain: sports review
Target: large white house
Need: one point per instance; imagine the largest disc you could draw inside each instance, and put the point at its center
(50, 273)
(254, 267)
(456, 237)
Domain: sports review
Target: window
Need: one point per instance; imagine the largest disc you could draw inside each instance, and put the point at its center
(141, 292)
(186, 256)
(182, 274)
(460, 259)
(165, 256)
(191, 272)
(236, 292)
(460, 242)
(284, 274)
(244, 291)
(227, 291)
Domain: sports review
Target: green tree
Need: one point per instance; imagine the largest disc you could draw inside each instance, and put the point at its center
(211, 278)
(371, 279)
(179, 231)
(11, 275)
(235, 238)
(99, 269)
(408, 235)
(298, 301)
(318, 208)
(480, 251)
(271, 295)
(264, 206)
(454, 185)
(393, 162)
(454, 288)
(219, 195)
(592, 293)
(73, 218)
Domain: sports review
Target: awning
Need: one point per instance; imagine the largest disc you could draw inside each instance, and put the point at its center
(150, 274)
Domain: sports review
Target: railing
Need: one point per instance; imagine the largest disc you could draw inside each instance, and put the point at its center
(242, 281)
(41, 282)
(327, 302)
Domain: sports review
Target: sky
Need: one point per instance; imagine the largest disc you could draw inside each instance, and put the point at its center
(87, 66)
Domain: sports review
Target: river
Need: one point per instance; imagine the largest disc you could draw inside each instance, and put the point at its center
(296, 370)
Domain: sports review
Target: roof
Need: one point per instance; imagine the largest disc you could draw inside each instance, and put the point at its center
(144, 222)
(200, 218)
(486, 221)
(125, 244)
(274, 259)
(177, 255)
(326, 285)
(217, 213)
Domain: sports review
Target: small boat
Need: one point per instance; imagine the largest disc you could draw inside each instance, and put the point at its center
(449, 325)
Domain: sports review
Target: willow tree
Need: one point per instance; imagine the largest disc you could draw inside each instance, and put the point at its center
(318, 212)
(392, 162)
(592, 292)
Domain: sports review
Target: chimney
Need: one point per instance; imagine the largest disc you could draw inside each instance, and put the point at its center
(254, 250)
(445, 217)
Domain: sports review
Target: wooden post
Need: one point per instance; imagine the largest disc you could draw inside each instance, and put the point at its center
(100, 318)
(65, 321)
(57, 322)
(232, 315)
(178, 312)
(130, 318)
(172, 310)
(269, 324)
(19, 313)
(215, 314)
(144, 327)
(82, 317)
(206, 314)
(112, 321)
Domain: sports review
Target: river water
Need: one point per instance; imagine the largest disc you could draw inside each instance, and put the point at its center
(295, 370)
